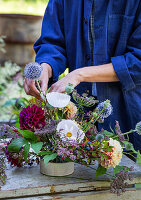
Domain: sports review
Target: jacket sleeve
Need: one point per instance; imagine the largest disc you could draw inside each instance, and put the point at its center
(128, 66)
(50, 47)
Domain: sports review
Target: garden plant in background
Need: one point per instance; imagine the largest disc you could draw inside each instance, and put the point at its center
(58, 130)
(2, 44)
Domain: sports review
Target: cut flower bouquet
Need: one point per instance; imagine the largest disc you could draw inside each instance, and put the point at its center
(58, 130)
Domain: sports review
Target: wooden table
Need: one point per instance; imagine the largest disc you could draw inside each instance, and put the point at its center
(28, 184)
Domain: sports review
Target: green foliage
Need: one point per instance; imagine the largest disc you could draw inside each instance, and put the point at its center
(37, 147)
(26, 151)
(2, 44)
(138, 158)
(100, 171)
(43, 153)
(7, 72)
(50, 157)
(16, 145)
(32, 7)
(117, 169)
(29, 135)
(108, 134)
(129, 146)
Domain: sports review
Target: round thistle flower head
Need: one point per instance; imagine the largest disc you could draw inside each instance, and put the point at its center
(138, 128)
(33, 70)
(105, 108)
(69, 88)
(32, 118)
(99, 137)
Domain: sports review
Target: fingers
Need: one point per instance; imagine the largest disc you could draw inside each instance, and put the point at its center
(30, 88)
(57, 87)
(44, 86)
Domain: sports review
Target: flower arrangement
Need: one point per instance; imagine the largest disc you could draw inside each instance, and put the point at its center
(61, 131)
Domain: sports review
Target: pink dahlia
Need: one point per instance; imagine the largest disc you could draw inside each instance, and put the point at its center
(32, 118)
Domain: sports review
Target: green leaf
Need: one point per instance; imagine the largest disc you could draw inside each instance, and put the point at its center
(100, 171)
(29, 135)
(16, 144)
(138, 158)
(37, 147)
(117, 169)
(17, 125)
(43, 153)
(129, 145)
(108, 134)
(68, 159)
(47, 158)
(26, 151)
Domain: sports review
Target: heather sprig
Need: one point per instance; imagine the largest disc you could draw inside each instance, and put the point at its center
(118, 132)
(119, 185)
(7, 131)
(2, 168)
(137, 130)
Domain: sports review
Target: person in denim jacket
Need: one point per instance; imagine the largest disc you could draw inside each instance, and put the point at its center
(100, 42)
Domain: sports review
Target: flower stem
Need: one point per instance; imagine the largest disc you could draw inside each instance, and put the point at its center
(130, 155)
(131, 131)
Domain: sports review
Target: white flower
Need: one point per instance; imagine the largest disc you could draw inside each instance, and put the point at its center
(114, 156)
(58, 100)
(70, 130)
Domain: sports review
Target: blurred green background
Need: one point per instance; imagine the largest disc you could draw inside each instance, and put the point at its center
(12, 94)
(34, 7)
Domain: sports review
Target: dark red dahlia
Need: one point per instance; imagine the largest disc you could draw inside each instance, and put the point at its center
(32, 118)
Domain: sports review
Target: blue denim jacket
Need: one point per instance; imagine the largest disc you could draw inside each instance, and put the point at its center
(117, 28)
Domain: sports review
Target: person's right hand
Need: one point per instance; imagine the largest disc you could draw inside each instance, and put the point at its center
(29, 85)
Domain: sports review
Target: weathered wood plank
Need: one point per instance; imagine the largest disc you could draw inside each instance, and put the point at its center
(27, 182)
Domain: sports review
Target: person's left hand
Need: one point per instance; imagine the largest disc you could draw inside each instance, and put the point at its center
(73, 78)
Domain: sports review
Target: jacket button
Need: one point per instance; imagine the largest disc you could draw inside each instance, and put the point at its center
(88, 57)
(85, 21)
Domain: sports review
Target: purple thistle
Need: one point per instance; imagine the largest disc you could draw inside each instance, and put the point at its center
(33, 70)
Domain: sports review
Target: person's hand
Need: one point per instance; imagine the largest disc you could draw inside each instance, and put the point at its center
(30, 87)
(73, 78)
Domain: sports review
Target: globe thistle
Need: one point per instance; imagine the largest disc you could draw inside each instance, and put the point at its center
(138, 128)
(105, 109)
(99, 137)
(33, 70)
